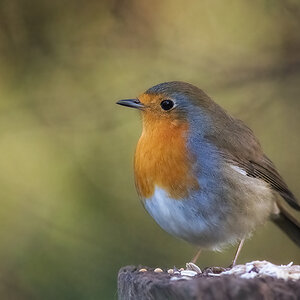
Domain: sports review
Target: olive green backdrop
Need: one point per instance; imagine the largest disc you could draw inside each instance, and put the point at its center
(69, 214)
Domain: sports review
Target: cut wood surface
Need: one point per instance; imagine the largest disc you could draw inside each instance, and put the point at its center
(134, 284)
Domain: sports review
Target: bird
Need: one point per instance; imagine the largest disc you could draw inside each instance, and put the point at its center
(202, 174)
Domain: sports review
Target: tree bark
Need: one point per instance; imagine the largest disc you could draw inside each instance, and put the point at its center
(133, 284)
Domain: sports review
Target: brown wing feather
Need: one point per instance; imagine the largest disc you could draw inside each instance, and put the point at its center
(266, 171)
(237, 143)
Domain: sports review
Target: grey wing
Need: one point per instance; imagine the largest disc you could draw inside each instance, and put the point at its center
(265, 170)
(237, 143)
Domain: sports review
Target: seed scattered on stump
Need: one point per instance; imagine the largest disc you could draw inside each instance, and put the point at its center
(143, 270)
(189, 273)
(158, 270)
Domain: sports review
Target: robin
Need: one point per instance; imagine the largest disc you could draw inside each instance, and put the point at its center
(202, 174)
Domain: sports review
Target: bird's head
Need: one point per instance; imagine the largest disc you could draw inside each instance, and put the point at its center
(174, 102)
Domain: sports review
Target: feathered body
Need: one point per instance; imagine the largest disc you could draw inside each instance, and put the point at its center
(201, 174)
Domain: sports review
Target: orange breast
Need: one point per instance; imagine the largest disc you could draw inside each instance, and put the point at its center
(162, 159)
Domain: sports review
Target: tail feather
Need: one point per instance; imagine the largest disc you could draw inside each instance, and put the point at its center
(288, 224)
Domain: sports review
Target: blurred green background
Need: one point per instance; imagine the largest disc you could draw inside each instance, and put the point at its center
(70, 216)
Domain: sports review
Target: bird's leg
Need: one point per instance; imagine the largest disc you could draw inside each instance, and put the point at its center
(192, 265)
(195, 258)
(238, 250)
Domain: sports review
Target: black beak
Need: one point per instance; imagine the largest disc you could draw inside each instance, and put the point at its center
(134, 103)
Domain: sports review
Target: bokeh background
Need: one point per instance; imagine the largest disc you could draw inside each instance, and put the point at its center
(69, 214)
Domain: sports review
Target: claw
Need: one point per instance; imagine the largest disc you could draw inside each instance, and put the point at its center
(193, 267)
(214, 270)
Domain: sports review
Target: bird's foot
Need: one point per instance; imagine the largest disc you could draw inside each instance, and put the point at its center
(193, 267)
(214, 270)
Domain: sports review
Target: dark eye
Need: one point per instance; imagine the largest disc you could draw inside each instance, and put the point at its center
(166, 104)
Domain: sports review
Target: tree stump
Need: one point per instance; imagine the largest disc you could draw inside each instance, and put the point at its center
(135, 285)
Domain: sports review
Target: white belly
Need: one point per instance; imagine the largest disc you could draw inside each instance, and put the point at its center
(181, 219)
(212, 223)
